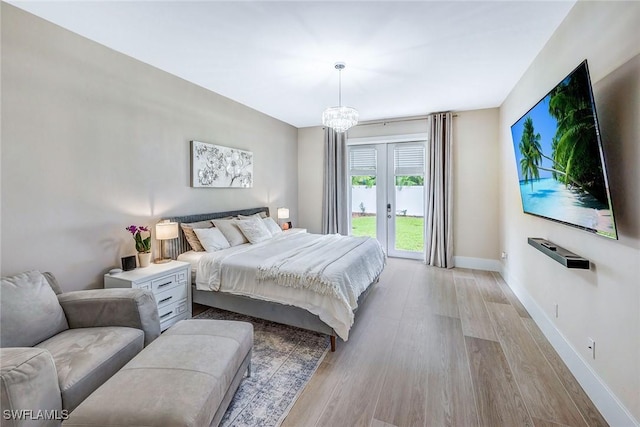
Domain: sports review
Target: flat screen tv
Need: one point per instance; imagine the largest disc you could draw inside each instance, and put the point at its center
(560, 161)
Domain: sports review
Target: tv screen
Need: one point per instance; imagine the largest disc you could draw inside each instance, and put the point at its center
(559, 158)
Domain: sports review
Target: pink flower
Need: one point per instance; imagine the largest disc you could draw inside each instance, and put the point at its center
(143, 245)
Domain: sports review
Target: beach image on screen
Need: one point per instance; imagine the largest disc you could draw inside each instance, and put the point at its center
(559, 158)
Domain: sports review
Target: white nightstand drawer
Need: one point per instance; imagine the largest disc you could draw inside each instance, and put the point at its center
(170, 284)
(170, 311)
(181, 276)
(164, 283)
(177, 293)
(144, 285)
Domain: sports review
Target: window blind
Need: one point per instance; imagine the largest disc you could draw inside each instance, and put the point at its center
(362, 161)
(408, 160)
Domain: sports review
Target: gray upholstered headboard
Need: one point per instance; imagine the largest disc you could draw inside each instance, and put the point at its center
(180, 245)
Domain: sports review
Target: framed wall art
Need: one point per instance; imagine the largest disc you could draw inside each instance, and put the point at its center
(216, 166)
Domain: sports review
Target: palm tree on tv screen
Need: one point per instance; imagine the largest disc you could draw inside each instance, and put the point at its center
(532, 156)
(575, 145)
(531, 152)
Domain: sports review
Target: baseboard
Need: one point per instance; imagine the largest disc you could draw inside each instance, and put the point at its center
(607, 403)
(477, 263)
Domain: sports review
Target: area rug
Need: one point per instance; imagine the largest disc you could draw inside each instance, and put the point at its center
(284, 359)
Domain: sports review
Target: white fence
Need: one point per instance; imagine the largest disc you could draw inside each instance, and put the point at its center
(409, 198)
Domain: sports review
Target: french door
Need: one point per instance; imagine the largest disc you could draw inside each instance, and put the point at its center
(387, 195)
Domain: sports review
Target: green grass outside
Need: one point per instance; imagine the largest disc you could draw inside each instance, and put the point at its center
(409, 231)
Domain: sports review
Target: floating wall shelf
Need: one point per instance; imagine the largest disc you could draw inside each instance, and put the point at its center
(563, 256)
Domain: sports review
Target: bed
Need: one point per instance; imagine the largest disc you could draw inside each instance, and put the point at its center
(314, 282)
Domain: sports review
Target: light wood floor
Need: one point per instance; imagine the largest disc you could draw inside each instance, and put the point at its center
(443, 348)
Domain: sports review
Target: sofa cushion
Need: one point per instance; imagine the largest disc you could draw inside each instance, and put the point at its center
(28, 381)
(180, 379)
(241, 332)
(85, 358)
(29, 310)
(53, 282)
(226, 342)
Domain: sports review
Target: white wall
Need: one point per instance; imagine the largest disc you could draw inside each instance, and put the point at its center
(475, 162)
(93, 141)
(475, 191)
(602, 303)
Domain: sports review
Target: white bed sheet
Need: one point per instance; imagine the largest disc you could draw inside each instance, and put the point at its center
(238, 276)
(193, 258)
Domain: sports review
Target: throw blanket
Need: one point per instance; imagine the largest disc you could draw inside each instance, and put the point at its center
(209, 272)
(304, 267)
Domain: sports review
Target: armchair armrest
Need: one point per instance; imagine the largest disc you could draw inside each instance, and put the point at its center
(28, 386)
(134, 308)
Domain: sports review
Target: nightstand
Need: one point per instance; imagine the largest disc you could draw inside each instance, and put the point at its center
(170, 284)
(295, 230)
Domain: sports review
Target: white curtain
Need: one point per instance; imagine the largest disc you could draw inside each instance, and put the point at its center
(335, 202)
(438, 242)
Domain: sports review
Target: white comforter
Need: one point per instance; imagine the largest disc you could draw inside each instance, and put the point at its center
(324, 274)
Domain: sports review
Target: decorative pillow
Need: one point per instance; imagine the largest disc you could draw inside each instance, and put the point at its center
(230, 230)
(190, 235)
(29, 310)
(260, 215)
(211, 239)
(254, 229)
(272, 226)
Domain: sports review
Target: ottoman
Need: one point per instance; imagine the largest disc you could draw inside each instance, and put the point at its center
(186, 377)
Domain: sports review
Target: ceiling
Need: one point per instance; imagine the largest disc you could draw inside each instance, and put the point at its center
(403, 58)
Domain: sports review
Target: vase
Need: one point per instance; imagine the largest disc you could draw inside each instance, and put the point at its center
(144, 259)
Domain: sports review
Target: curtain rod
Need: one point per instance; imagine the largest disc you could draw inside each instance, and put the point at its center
(402, 119)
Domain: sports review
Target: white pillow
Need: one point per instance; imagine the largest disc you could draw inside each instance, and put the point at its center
(191, 237)
(255, 215)
(254, 229)
(230, 230)
(272, 226)
(211, 239)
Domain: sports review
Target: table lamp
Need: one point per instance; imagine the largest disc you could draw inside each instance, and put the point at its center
(283, 213)
(165, 230)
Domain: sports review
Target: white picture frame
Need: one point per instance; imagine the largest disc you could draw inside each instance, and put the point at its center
(217, 166)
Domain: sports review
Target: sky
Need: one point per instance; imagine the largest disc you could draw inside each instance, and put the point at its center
(543, 124)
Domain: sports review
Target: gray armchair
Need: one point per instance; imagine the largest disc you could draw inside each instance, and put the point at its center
(57, 348)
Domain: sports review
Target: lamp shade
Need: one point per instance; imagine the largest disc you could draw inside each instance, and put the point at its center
(166, 230)
(283, 213)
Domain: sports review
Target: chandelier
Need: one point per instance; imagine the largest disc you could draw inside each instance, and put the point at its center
(340, 118)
